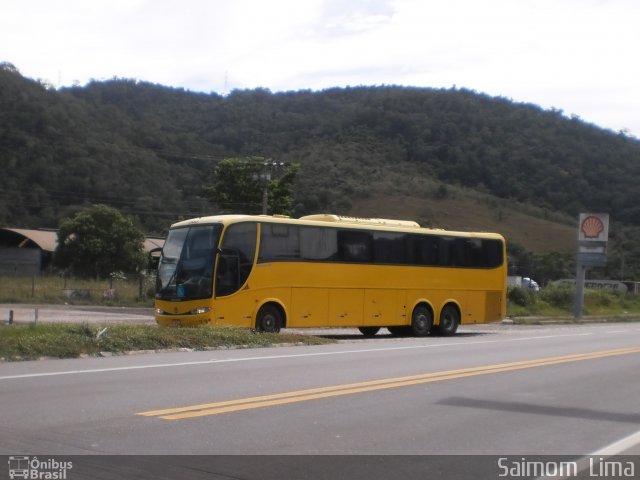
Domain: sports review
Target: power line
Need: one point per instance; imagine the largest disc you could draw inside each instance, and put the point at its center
(136, 149)
(131, 202)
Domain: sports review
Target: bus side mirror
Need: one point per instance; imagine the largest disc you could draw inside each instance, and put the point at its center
(154, 258)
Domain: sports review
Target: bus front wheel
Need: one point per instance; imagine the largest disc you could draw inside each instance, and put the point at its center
(449, 321)
(421, 321)
(269, 319)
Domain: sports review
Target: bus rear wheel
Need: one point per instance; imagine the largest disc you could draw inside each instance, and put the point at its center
(421, 321)
(269, 319)
(369, 331)
(449, 321)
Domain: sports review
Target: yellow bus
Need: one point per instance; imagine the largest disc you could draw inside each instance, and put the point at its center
(272, 272)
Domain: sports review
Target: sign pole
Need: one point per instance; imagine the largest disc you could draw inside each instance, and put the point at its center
(579, 301)
(593, 234)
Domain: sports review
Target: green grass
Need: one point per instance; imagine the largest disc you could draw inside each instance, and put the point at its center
(29, 342)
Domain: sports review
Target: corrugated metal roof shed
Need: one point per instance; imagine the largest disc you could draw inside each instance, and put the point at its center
(46, 240)
(153, 242)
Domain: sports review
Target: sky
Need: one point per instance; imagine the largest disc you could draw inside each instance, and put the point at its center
(578, 56)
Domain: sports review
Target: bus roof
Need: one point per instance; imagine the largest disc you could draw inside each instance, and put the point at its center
(323, 219)
(383, 222)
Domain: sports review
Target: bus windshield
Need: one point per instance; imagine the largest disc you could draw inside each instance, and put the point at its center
(185, 271)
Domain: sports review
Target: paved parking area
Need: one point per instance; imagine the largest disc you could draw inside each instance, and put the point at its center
(75, 314)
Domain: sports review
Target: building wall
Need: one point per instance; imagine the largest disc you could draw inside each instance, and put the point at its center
(24, 262)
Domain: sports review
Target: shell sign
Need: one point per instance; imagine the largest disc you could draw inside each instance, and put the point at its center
(593, 227)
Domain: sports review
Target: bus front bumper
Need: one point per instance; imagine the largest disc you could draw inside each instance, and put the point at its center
(191, 318)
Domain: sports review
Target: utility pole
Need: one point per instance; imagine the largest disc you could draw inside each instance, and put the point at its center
(269, 167)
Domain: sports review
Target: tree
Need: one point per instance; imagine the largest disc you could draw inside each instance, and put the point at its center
(520, 260)
(98, 241)
(549, 266)
(239, 185)
(280, 191)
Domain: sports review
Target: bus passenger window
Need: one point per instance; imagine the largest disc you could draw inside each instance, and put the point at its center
(355, 246)
(389, 248)
(459, 252)
(492, 253)
(319, 244)
(473, 253)
(428, 250)
(279, 242)
(445, 252)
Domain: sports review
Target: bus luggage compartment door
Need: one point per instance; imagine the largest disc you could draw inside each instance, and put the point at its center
(346, 307)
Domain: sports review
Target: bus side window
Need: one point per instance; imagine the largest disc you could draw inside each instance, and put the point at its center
(445, 252)
(318, 244)
(492, 253)
(428, 251)
(473, 253)
(355, 246)
(390, 248)
(279, 242)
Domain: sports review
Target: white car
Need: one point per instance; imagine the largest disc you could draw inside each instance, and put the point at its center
(530, 283)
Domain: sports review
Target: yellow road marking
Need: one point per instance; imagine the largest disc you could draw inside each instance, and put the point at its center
(369, 386)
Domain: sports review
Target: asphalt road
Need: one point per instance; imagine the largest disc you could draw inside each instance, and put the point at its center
(493, 390)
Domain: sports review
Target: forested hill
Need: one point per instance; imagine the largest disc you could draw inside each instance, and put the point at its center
(149, 149)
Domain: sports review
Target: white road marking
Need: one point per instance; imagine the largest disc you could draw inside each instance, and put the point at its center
(278, 357)
(618, 447)
(615, 448)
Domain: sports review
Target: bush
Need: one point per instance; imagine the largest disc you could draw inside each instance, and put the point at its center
(602, 298)
(559, 296)
(606, 301)
(522, 297)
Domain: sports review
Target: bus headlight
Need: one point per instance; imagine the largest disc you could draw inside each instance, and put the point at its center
(200, 310)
